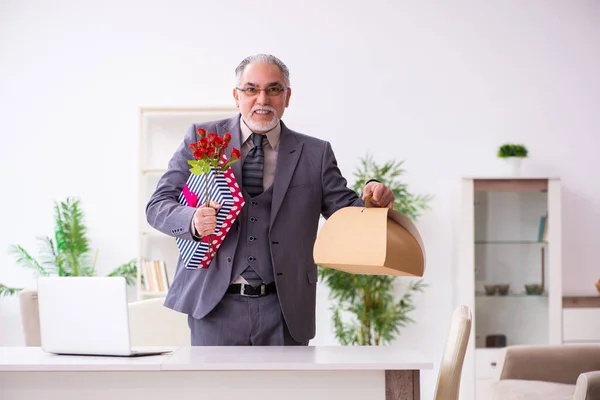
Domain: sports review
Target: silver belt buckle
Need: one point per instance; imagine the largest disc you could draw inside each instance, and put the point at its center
(263, 289)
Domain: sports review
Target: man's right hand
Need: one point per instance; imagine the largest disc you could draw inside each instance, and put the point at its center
(205, 219)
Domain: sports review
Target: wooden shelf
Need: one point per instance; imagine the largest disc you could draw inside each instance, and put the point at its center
(511, 185)
(510, 242)
(581, 301)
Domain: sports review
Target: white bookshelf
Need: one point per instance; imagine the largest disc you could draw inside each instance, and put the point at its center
(161, 131)
(500, 221)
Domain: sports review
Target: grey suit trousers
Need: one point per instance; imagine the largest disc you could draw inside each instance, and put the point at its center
(243, 321)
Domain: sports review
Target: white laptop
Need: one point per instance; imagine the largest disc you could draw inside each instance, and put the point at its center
(86, 316)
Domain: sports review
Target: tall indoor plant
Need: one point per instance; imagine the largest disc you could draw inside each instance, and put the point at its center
(68, 252)
(366, 311)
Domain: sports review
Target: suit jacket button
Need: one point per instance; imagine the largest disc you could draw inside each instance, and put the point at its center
(228, 259)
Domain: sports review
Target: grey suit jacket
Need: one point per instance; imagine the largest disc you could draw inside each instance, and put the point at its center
(307, 184)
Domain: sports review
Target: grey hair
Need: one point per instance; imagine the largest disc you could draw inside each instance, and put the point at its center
(262, 58)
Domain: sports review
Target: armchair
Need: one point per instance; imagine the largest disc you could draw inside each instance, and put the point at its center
(550, 372)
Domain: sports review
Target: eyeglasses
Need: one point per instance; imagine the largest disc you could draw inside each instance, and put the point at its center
(270, 91)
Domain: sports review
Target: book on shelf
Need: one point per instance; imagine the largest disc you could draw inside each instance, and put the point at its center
(154, 276)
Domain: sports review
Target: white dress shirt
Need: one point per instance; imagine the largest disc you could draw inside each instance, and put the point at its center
(270, 148)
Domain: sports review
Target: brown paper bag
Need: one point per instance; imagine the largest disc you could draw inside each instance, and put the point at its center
(370, 241)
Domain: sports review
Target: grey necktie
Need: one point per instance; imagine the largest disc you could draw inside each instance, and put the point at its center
(252, 170)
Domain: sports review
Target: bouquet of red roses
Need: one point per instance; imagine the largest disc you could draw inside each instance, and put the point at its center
(211, 179)
(209, 154)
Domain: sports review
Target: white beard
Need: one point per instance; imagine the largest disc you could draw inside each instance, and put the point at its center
(262, 126)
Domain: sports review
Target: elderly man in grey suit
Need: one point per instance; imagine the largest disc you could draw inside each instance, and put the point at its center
(260, 288)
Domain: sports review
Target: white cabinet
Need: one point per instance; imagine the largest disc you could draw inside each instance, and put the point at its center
(581, 319)
(488, 366)
(509, 271)
(161, 132)
(488, 363)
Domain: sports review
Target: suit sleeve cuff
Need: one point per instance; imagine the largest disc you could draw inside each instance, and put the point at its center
(193, 231)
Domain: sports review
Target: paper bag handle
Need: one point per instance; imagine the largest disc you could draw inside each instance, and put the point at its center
(368, 201)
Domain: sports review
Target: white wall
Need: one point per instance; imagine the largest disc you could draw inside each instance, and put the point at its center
(438, 85)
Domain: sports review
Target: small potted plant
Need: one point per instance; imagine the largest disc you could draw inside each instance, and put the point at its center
(513, 154)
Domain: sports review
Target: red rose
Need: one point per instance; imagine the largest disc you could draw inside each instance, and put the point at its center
(227, 138)
(199, 153)
(201, 132)
(195, 146)
(235, 153)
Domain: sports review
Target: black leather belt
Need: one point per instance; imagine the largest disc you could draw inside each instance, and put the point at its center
(251, 291)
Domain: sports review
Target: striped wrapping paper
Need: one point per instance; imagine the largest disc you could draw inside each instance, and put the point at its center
(227, 193)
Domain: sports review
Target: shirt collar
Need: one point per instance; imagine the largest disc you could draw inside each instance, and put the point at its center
(272, 136)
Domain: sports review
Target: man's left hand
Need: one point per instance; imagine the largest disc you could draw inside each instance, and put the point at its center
(382, 196)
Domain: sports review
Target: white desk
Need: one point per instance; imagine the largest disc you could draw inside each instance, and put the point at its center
(288, 373)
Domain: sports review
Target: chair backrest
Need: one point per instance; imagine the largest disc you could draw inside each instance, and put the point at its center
(587, 386)
(448, 383)
(30, 316)
(153, 324)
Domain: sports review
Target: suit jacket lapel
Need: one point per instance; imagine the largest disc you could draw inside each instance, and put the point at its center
(232, 126)
(287, 159)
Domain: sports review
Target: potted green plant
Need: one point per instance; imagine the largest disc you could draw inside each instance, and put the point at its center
(366, 310)
(68, 252)
(513, 154)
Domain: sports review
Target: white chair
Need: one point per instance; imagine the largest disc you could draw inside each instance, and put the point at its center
(30, 317)
(153, 324)
(448, 383)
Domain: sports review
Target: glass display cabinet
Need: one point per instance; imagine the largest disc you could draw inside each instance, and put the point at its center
(509, 270)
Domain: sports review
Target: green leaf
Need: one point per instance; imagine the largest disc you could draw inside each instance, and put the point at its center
(8, 291)
(127, 270)
(68, 254)
(512, 150)
(197, 170)
(71, 239)
(26, 260)
(226, 166)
